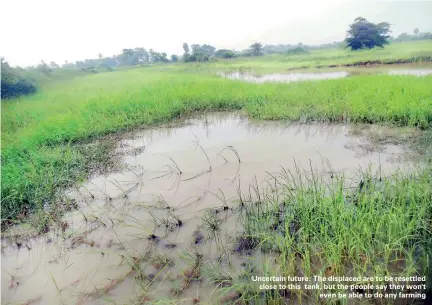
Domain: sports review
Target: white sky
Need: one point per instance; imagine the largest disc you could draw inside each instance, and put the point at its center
(60, 30)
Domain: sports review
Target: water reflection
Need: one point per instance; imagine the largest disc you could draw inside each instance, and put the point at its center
(132, 217)
(416, 72)
(286, 77)
(324, 75)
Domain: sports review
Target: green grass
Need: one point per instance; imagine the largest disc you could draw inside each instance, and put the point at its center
(319, 227)
(329, 228)
(38, 132)
(414, 51)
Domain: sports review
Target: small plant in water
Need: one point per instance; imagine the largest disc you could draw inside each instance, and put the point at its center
(211, 223)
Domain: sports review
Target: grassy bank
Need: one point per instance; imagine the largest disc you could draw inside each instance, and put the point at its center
(39, 131)
(307, 227)
(414, 51)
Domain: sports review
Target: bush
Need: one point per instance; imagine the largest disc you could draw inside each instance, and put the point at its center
(298, 50)
(13, 84)
(223, 53)
(189, 58)
(21, 87)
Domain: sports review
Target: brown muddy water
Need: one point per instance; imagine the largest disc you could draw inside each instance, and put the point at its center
(149, 216)
(324, 74)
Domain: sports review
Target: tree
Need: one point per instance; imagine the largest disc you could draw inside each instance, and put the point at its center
(140, 55)
(53, 65)
(363, 34)
(44, 68)
(224, 53)
(126, 56)
(416, 31)
(256, 48)
(186, 56)
(174, 58)
(100, 55)
(207, 49)
(186, 48)
(163, 57)
(158, 57)
(199, 52)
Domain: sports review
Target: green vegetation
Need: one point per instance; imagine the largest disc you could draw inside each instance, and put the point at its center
(362, 34)
(199, 52)
(417, 36)
(256, 49)
(59, 129)
(14, 83)
(39, 131)
(403, 52)
(367, 35)
(382, 227)
(310, 225)
(19, 81)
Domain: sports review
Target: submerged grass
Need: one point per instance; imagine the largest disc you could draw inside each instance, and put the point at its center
(305, 226)
(40, 132)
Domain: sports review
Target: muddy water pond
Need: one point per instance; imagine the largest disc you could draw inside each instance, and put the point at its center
(151, 216)
(324, 74)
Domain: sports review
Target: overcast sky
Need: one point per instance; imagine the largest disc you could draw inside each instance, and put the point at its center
(60, 30)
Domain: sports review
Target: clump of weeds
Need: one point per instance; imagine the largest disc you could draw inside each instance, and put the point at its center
(193, 272)
(161, 261)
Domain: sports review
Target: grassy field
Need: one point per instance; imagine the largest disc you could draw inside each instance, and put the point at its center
(318, 228)
(38, 131)
(406, 51)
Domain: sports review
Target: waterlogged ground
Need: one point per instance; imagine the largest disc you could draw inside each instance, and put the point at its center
(285, 77)
(139, 234)
(326, 73)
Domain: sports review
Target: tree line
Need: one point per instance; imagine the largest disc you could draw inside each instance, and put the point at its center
(362, 34)
(417, 35)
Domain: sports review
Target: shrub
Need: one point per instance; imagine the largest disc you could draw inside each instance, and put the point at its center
(13, 84)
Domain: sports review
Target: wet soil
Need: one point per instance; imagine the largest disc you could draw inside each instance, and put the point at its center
(142, 232)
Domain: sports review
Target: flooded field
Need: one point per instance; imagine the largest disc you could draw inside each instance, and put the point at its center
(163, 228)
(326, 73)
(418, 72)
(286, 77)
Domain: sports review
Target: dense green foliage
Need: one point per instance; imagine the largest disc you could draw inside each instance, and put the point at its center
(224, 53)
(199, 53)
(13, 83)
(256, 49)
(363, 34)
